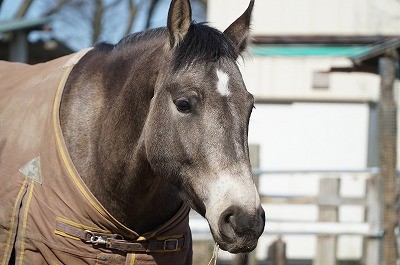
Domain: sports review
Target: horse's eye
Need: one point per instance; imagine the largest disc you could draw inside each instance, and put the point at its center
(183, 105)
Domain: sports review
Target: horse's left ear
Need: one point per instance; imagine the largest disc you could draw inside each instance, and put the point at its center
(179, 20)
(239, 31)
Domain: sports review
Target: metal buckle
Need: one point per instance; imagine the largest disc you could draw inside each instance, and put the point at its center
(171, 242)
(90, 237)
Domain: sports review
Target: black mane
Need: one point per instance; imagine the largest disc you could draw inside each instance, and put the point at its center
(131, 39)
(142, 36)
(201, 44)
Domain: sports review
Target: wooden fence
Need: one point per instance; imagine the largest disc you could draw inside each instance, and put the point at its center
(327, 227)
(328, 200)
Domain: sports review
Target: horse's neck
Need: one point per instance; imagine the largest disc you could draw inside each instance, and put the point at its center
(103, 111)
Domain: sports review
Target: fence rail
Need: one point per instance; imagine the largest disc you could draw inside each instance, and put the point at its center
(328, 200)
(327, 227)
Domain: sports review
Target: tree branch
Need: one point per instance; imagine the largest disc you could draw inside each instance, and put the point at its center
(97, 20)
(23, 8)
(204, 2)
(56, 8)
(153, 4)
(132, 15)
(113, 3)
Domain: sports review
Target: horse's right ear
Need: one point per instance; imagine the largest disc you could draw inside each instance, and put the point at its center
(179, 20)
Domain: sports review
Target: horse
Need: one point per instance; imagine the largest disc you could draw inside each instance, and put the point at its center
(147, 128)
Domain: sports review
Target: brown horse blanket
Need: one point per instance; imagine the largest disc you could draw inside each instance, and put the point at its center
(47, 214)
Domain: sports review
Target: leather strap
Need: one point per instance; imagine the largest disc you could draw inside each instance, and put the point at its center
(117, 242)
(153, 245)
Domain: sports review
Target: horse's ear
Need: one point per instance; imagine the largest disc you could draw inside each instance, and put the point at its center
(239, 31)
(179, 20)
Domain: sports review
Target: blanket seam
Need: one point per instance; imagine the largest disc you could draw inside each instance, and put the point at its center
(13, 224)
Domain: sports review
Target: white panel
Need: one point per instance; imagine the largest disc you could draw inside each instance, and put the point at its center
(351, 213)
(349, 247)
(291, 78)
(285, 212)
(310, 136)
(352, 186)
(312, 16)
(286, 184)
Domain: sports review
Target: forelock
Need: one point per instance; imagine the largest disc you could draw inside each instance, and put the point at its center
(203, 44)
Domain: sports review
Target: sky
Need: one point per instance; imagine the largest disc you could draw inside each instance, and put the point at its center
(77, 37)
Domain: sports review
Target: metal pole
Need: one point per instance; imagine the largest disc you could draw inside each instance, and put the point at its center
(388, 158)
(19, 47)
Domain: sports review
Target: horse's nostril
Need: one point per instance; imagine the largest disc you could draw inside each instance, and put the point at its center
(225, 226)
(237, 222)
(228, 218)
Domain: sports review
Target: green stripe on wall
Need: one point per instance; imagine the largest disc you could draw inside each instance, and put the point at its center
(318, 51)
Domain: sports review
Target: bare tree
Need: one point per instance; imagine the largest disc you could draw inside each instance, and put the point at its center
(92, 16)
(153, 4)
(23, 8)
(88, 13)
(204, 2)
(132, 15)
(97, 21)
(60, 4)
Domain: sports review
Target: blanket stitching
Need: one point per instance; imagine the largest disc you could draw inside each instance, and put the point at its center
(25, 220)
(13, 226)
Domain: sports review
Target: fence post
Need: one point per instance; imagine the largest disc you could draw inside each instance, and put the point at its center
(326, 245)
(388, 157)
(371, 245)
(277, 252)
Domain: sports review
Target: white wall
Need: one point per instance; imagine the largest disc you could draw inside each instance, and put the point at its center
(271, 17)
(274, 78)
(310, 136)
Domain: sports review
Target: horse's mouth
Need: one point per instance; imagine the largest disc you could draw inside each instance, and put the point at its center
(240, 245)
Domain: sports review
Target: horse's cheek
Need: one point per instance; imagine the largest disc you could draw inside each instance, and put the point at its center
(158, 142)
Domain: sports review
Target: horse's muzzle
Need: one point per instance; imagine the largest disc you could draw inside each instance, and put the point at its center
(239, 229)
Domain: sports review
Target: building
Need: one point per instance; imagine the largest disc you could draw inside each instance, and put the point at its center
(15, 44)
(308, 117)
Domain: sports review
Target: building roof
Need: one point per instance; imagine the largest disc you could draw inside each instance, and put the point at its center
(368, 61)
(318, 51)
(363, 51)
(352, 46)
(377, 50)
(23, 24)
(321, 40)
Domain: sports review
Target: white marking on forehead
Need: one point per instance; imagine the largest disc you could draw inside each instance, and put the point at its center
(223, 83)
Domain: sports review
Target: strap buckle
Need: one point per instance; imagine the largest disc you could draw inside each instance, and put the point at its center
(94, 239)
(171, 244)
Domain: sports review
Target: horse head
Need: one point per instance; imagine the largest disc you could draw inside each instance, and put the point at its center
(197, 127)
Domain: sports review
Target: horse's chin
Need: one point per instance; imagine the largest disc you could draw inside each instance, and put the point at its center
(240, 245)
